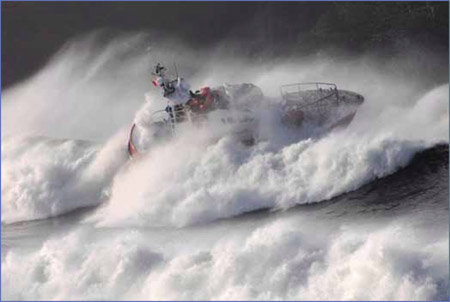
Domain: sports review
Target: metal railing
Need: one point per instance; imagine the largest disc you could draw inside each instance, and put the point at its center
(310, 94)
(160, 116)
(172, 115)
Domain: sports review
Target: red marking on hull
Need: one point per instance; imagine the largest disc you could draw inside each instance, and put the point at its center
(132, 151)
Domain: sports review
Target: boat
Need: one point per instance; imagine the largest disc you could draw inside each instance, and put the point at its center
(233, 108)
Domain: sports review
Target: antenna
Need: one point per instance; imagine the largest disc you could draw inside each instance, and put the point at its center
(175, 67)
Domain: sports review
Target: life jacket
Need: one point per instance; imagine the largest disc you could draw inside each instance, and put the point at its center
(208, 98)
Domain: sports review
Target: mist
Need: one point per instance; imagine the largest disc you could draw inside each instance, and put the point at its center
(91, 91)
(202, 216)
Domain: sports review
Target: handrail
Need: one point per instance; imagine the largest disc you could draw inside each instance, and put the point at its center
(299, 85)
(292, 95)
(158, 112)
(174, 115)
(309, 83)
(317, 85)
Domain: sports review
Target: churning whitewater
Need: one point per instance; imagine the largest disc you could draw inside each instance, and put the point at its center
(184, 221)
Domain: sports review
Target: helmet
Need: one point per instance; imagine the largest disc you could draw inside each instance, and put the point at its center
(159, 69)
(158, 81)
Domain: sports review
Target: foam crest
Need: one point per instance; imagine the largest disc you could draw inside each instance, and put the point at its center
(43, 177)
(204, 183)
(68, 268)
(191, 180)
(279, 260)
(92, 91)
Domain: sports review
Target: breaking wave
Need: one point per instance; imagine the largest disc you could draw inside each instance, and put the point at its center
(44, 177)
(278, 260)
(192, 180)
(70, 153)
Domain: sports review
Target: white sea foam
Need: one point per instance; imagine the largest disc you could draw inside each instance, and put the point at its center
(193, 179)
(43, 177)
(284, 259)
